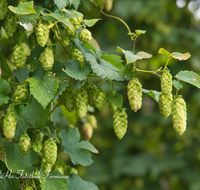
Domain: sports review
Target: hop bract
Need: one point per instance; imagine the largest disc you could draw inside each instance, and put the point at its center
(21, 93)
(3, 9)
(47, 59)
(85, 36)
(42, 34)
(24, 144)
(20, 55)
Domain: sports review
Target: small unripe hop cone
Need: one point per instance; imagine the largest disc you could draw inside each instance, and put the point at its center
(69, 98)
(21, 93)
(42, 34)
(179, 114)
(77, 55)
(85, 36)
(24, 144)
(10, 23)
(47, 59)
(99, 99)
(166, 82)
(87, 131)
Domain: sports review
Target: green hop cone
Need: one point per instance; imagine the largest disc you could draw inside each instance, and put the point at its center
(9, 124)
(42, 34)
(75, 22)
(91, 89)
(20, 36)
(50, 150)
(120, 122)
(166, 82)
(65, 41)
(47, 59)
(3, 9)
(99, 99)
(179, 114)
(32, 41)
(36, 146)
(24, 144)
(72, 170)
(77, 55)
(92, 120)
(10, 23)
(87, 131)
(46, 166)
(39, 137)
(134, 93)
(85, 36)
(20, 55)
(81, 103)
(69, 98)
(21, 93)
(28, 188)
(70, 31)
(80, 19)
(59, 167)
(111, 106)
(164, 103)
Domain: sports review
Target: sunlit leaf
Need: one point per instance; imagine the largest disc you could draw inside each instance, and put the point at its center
(177, 84)
(23, 8)
(164, 52)
(180, 56)
(90, 22)
(153, 93)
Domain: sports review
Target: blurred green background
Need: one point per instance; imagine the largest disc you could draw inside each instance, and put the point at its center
(151, 156)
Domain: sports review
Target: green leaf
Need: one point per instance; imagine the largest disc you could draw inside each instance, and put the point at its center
(189, 77)
(7, 182)
(131, 58)
(5, 69)
(43, 90)
(61, 88)
(73, 69)
(35, 114)
(90, 22)
(19, 163)
(76, 183)
(139, 32)
(116, 99)
(164, 52)
(21, 74)
(177, 84)
(23, 8)
(86, 3)
(4, 90)
(60, 3)
(78, 151)
(20, 128)
(70, 116)
(76, 3)
(100, 3)
(115, 60)
(52, 128)
(153, 93)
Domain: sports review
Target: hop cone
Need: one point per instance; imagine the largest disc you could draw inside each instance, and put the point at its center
(80, 19)
(164, 103)
(99, 99)
(81, 102)
(10, 23)
(28, 188)
(32, 41)
(47, 59)
(91, 88)
(111, 106)
(20, 36)
(50, 151)
(70, 31)
(166, 82)
(134, 93)
(72, 170)
(42, 34)
(120, 122)
(36, 146)
(9, 124)
(65, 41)
(77, 55)
(21, 93)
(92, 120)
(24, 144)
(179, 114)
(87, 131)
(85, 36)
(59, 167)
(69, 98)
(75, 22)
(3, 9)
(39, 137)
(20, 55)
(46, 166)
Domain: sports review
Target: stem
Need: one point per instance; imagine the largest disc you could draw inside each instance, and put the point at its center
(13, 82)
(153, 72)
(47, 10)
(102, 81)
(51, 115)
(6, 163)
(167, 63)
(111, 86)
(118, 85)
(54, 109)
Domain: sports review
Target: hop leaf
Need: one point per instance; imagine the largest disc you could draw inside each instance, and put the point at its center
(111, 106)
(179, 114)
(69, 98)
(10, 23)
(24, 144)
(21, 93)
(42, 34)
(134, 93)
(164, 103)
(3, 9)
(47, 59)
(77, 55)
(99, 98)
(85, 36)
(166, 82)
(120, 122)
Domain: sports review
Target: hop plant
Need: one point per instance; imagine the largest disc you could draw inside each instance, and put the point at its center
(134, 93)
(85, 36)
(69, 98)
(81, 103)
(87, 131)
(9, 124)
(42, 34)
(166, 82)
(19, 36)
(50, 151)
(120, 122)
(20, 55)
(65, 41)
(179, 114)
(59, 167)
(28, 188)
(92, 120)
(99, 99)
(164, 103)
(47, 59)
(77, 55)
(21, 93)
(24, 144)
(32, 41)
(36, 146)
(46, 166)
(3, 9)
(10, 23)
(70, 31)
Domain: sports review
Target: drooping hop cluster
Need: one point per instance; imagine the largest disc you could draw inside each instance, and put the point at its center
(77, 55)
(9, 124)
(21, 93)
(59, 167)
(134, 93)
(32, 41)
(166, 82)
(70, 31)
(47, 59)
(76, 22)
(65, 41)
(20, 55)
(99, 98)
(19, 36)
(42, 34)
(46, 166)
(10, 23)
(179, 114)
(28, 188)
(87, 131)
(24, 144)
(85, 36)
(36, 146)
(50, 151)
(69, 98)
(120, 122)
(3, 9)
(164, 103)
(81, 102)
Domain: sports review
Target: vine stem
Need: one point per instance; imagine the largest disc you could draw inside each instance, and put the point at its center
(153, 72)
(167, 63)
(102, 81)
(118, 84)
(54, 109)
